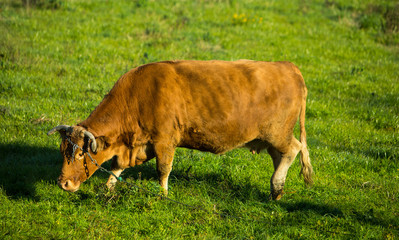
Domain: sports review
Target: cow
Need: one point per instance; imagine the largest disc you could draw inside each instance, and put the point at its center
(213, 106)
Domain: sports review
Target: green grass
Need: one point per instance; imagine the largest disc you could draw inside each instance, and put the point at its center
(59, 58)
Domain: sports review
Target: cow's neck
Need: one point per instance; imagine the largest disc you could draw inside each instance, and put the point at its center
(108, 119)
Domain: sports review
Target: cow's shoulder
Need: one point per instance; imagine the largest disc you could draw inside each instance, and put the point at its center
(152, 68)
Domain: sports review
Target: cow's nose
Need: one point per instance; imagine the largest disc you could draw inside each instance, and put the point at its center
(68, 185)
(64, 184)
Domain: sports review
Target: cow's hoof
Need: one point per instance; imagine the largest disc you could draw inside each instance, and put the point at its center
(276, 195)
(110, 186)
(163, 192)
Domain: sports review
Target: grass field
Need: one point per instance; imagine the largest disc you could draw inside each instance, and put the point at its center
(58, 59)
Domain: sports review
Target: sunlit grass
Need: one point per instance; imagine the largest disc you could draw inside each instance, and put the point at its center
(59, 58)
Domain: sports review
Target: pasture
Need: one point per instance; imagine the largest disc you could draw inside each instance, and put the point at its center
(58, 58)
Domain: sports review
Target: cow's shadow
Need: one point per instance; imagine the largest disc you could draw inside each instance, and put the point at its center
(22, 166)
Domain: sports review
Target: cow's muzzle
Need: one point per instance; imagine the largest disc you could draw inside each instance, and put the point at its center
(69, 185)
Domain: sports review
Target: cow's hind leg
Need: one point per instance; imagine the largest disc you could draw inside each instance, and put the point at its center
(276, 156)
(164, 159)
(282, 162)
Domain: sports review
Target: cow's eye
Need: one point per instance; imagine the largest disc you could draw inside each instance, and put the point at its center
(80, 155)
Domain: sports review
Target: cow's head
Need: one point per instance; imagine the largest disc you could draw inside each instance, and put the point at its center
(76, 144)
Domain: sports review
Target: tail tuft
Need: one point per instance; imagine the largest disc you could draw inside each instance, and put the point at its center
(307, 170)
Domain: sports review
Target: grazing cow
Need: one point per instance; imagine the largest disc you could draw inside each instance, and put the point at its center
(212, 106)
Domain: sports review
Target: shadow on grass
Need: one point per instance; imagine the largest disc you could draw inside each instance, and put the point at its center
(21, 166)
(307, 206)
(222, 185)
(144, 171)
(362, 215)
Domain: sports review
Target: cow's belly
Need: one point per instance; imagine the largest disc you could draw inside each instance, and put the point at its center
(208, 146)
(217, 139)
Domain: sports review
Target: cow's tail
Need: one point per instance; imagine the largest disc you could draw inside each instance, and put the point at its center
(307, 169)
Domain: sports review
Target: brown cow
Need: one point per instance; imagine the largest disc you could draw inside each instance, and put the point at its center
(212, 106)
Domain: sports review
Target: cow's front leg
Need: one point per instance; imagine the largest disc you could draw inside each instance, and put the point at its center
(282, 162)
(116, 169)
(164, 158)
(112, 180)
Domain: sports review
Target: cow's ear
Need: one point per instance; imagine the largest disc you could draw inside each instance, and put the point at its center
(102, 143)
(63, 134)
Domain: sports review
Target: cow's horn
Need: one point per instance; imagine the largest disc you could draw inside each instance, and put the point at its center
(58, 128)
(93, 141)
